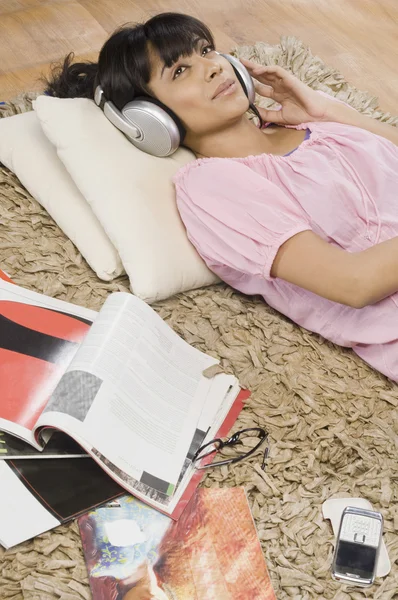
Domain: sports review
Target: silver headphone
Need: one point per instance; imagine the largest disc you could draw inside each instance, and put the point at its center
(153, 127)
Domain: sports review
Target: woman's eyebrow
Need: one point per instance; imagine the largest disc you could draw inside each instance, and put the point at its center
(163, 68)
(196, 44)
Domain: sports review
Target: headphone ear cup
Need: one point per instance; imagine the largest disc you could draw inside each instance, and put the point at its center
(146, 122)
(243, 76)
(181, 129)
(159, 132)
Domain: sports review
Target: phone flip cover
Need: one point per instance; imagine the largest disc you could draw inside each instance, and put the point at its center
(332, 509)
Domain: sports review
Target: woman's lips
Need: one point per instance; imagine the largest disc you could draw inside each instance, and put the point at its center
(229, 90)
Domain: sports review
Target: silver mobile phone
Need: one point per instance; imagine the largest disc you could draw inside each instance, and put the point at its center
(357, 546)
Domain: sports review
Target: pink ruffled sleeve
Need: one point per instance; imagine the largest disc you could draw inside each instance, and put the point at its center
(236, 218)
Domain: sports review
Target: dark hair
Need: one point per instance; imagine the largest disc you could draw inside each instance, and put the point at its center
(123, 67)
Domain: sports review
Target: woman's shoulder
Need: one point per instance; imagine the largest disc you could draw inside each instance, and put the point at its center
(202, 163)
(213, 169)
(189, 167)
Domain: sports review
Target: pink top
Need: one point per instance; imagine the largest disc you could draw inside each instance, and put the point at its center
(341, 183)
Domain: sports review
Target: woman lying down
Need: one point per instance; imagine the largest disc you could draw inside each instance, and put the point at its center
(302, 209)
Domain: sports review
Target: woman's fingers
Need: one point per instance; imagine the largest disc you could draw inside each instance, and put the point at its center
(271, 116)
(266, 77)
(280, 71)
(249, 64)
(273, 75)
(270, 72)
(263, 90)
(253, 68)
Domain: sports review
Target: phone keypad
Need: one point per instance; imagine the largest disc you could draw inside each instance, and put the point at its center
(361, 530)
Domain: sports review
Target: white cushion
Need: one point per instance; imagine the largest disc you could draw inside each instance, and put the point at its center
(26, 151)
(131, 193)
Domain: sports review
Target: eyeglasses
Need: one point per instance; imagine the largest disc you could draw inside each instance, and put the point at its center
(218, 444)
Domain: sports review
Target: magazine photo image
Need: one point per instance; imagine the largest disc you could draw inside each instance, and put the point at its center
(212, 552)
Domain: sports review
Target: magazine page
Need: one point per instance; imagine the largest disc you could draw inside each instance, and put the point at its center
(216, 421)
(21, 516)
(223, 392)
(194, 476)
(211, 553)
(37, 495)
(133, 395)
(60, 445)
(39, 336)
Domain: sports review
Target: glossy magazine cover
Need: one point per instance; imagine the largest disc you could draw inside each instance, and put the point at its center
(212, 552)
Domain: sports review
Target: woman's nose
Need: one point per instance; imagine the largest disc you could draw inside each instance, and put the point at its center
(215, 68)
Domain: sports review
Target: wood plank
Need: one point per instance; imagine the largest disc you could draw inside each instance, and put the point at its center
(358, 38)
(45, 33)
(8, 6)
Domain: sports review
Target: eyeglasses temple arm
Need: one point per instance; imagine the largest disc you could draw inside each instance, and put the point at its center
(265, 458)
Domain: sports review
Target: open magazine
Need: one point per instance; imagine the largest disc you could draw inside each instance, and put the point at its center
(120, 382)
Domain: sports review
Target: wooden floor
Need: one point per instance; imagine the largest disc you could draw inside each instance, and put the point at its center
(359, 37)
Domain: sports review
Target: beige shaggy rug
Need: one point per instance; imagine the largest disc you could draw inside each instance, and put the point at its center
(332, 419)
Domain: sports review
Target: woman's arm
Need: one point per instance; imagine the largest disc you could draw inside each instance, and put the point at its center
(339, 113)
(355, 279)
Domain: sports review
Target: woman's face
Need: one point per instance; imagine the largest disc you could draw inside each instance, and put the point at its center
(145, 592)
(137, 594)
(188, 88)
(145, 585)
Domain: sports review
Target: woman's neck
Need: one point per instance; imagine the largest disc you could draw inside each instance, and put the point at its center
(240, 140)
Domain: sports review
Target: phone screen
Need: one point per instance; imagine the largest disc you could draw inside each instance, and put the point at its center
(355, 559)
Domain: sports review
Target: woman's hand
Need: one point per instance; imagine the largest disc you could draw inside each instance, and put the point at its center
(299, 103)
